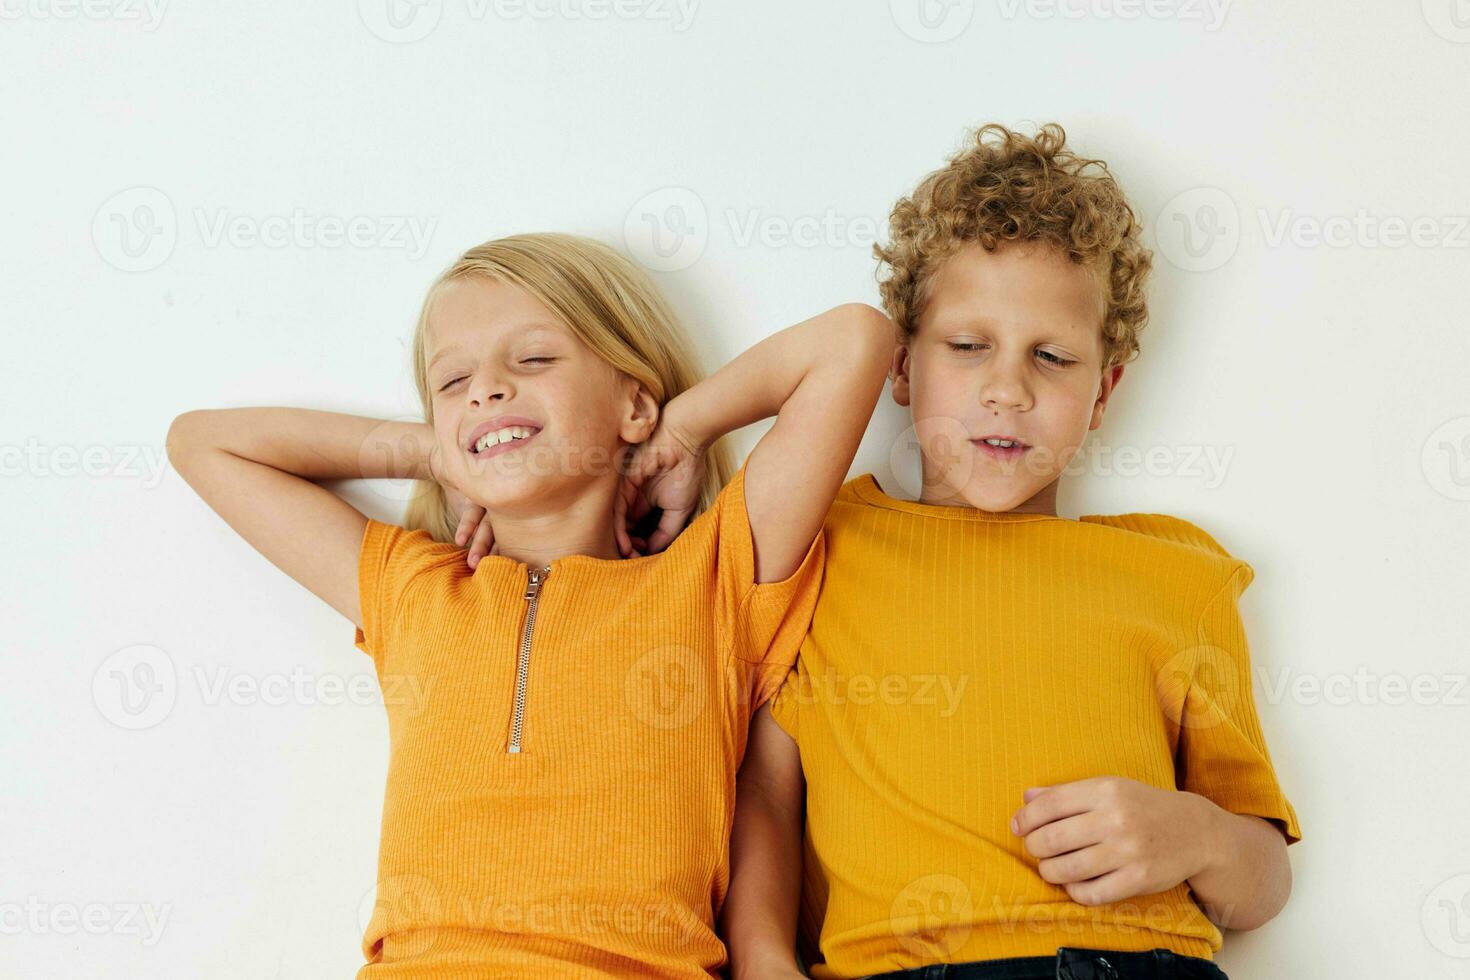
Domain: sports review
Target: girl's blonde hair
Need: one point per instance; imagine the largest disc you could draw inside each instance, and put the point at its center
(608, 303)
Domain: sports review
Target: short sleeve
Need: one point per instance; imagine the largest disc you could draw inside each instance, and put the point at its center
(1222, 752)
(761, 623)
(786, 702)
(389, 559)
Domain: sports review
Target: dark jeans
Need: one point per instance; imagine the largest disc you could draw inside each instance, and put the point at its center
(1071, 963)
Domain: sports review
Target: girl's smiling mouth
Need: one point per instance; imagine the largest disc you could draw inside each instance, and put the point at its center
(500, 435)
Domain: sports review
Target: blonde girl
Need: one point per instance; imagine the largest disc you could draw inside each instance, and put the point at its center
(559, 796)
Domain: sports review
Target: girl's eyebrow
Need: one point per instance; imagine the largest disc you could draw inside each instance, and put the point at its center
(525, 331)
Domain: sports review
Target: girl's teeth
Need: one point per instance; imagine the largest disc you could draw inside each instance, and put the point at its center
(507, 434)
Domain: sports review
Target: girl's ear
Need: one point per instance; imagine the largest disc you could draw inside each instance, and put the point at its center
(642, 417)
(898, 373)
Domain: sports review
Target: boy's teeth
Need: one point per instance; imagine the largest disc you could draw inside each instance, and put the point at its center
(507, 434)
(1004, 443)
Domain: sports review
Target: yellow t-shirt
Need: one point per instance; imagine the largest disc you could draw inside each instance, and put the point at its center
(957, 657)
(600, 849)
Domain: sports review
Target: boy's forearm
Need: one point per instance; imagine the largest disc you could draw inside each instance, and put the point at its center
(765, 882)
(312, 444)
(1248, 878)
(757, 383)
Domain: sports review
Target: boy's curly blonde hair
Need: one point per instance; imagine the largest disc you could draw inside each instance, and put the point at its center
(1006, 186)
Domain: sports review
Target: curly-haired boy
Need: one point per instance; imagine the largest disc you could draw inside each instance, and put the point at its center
(1023, 743)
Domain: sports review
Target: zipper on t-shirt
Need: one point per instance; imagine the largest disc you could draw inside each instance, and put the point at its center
(523, 664)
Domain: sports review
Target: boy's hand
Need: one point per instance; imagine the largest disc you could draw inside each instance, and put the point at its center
(667, 472)
(1111, 838)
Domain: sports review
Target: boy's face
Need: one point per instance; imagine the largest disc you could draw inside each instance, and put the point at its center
(1009, 345)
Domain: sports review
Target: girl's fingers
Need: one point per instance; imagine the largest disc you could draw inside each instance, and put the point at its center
(483, 542)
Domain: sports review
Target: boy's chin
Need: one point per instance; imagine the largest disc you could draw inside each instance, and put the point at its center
(999, 495)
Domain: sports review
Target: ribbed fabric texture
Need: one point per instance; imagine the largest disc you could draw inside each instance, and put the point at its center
(957, 657)
(600, 849)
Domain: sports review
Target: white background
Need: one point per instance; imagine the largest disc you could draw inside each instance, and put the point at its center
(1326, 379)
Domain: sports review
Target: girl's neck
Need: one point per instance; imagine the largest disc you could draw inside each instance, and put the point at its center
(583, 526)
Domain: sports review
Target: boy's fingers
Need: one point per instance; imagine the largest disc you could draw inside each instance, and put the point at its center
(1063, 836)
(670, 523)
(620, 512)
(1076, 866)
(1110, 887)
(1057, 802)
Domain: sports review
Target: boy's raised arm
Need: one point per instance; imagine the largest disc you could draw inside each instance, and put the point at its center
(759, 915)
(821, 378)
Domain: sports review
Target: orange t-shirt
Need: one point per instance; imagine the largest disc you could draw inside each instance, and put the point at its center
(600, 847)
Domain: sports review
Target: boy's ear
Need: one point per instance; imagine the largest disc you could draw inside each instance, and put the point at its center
(1110, 379)
(642, 417)
(898, 372)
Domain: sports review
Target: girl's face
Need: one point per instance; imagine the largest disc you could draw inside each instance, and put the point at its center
(1008, 345)
(498, 358)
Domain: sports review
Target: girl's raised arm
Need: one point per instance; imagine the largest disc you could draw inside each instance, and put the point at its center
(255, 467)
(821, 378)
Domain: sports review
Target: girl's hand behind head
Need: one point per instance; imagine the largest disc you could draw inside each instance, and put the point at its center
(666, 472)
(474, 527)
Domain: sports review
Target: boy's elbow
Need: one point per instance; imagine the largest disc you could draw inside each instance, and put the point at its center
(180, 438)
(1270, 900)
(869, 334)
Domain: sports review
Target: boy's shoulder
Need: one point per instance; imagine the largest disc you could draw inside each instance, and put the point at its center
(1161, 527)
(1176, 538)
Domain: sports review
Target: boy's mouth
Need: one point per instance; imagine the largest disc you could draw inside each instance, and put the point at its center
(1001, 447)
(500, 435)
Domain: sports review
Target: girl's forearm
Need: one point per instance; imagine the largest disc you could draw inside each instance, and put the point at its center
(757, 383)
(312, 444)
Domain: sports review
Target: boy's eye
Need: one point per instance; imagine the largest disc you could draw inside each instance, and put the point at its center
(1051, 358)
(964, 348)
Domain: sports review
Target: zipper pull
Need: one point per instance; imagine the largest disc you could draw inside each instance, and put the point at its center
(533, 586)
